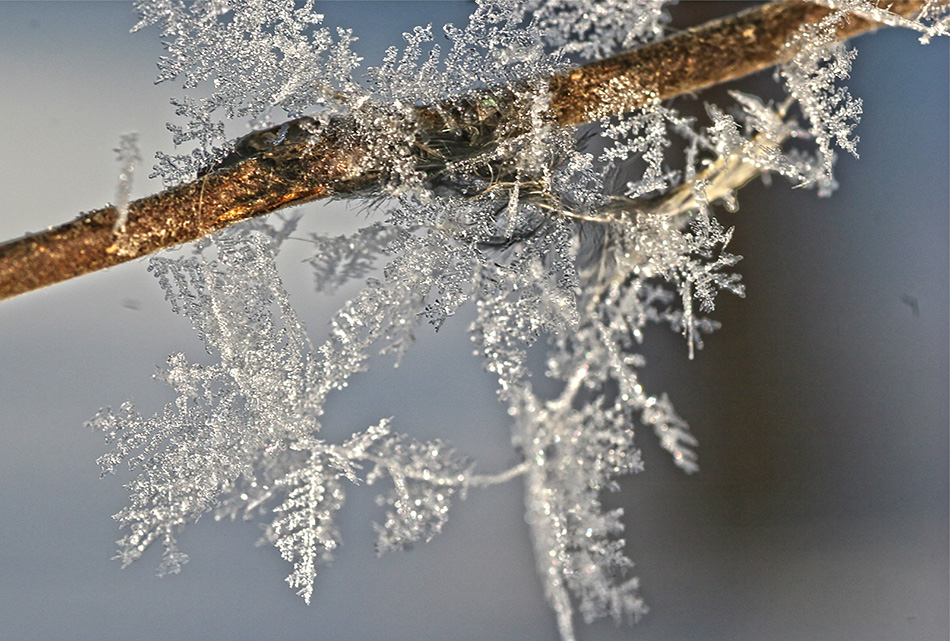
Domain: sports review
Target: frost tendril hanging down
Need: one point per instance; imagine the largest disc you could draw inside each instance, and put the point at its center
(497, 207)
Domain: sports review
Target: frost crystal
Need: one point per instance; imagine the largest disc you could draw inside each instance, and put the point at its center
(128, 156)
(810, 78)
(597, 28)
(579, 239)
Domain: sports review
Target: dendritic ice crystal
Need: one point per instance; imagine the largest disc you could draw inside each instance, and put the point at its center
(577, 237)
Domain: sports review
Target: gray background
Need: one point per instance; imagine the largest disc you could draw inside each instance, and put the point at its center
(820, 511)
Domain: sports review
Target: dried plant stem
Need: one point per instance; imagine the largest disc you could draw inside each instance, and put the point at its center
(330, 163)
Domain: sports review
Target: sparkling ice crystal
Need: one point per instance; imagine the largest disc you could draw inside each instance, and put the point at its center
(578, 238)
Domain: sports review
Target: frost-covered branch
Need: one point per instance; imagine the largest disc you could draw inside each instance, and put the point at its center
(708, 55)
(493, 197)
(300, 161)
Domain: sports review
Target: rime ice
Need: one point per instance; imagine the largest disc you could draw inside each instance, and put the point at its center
(497, 208)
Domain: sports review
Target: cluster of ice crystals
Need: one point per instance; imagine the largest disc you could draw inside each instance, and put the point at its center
(499, 208)
(597, 28)
(128, 156)
(341, 259)
(425, 477)
(494, 48)
(644, 136)
(810, 78)
(278, 55)
(241, 438)
(932, 20)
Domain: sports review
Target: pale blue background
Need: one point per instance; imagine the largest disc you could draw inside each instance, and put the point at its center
(822, 406)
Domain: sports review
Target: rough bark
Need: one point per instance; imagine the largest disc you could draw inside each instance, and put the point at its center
(307, 166)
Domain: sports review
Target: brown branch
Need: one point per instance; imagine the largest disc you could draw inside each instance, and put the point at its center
(708, 55)
(305, 166)
(297, 172)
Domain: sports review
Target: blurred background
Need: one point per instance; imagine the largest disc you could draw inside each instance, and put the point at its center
(821, 507)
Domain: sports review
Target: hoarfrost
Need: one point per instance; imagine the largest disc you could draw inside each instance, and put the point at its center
(340, 259)
(498, 208)
(597, 28)
(128, 156)
(810, 78)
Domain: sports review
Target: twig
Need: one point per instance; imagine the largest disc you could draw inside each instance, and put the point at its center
(309, 167)
(708, 55)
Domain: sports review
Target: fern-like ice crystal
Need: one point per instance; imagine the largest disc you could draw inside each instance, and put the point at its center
(581, 239)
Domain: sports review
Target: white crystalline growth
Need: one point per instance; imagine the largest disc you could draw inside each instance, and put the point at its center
(260, 56)
(580, 239)
(810, 77)
(241, 438)
(128, 157)
(597, 28)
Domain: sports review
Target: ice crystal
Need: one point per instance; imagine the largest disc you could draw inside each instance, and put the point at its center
(128, 156)
(425, 477)
(278, 55)
(597, 28)
(341, 259)
(644, 136)
(810, 78)
(578, 239)
(304, 530)
(242, 433)
(932, 20)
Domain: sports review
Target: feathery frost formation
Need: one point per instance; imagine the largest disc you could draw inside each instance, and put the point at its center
(530, 223)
